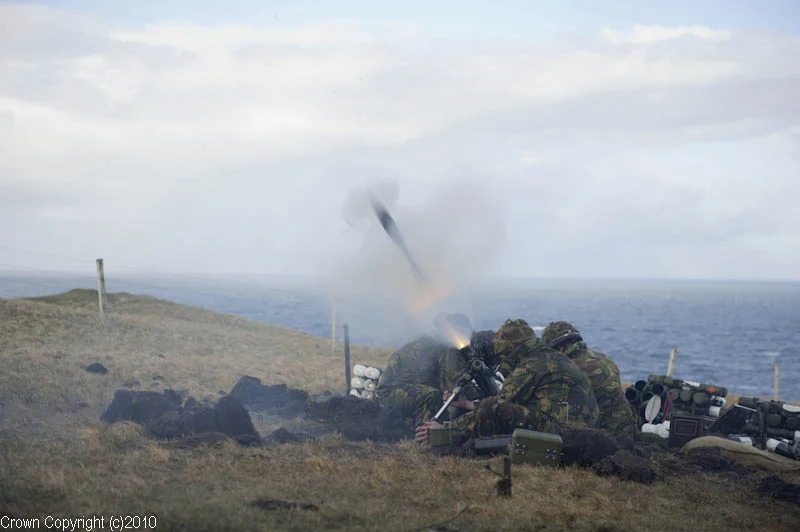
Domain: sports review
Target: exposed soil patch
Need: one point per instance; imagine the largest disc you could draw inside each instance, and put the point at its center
(777, 488)
(627, 466)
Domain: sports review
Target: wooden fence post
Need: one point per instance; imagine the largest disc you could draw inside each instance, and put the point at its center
(671, 365)
(101, 291)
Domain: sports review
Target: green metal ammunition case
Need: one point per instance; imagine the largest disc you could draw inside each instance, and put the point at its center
(440, 436)
(537, 448)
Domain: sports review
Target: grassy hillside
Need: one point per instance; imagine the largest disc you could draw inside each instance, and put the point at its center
(56, 458)
(47, 342)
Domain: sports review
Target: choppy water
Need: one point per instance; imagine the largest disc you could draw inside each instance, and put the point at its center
(727, 333)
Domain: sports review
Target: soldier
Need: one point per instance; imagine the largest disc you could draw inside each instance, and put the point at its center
(616, 414)
(543, 390)
(415, 376)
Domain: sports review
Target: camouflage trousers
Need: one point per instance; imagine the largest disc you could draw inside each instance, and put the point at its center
(414, 404)
(495, 416)
(618, 418)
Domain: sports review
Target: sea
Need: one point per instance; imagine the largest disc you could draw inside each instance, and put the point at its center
(727, 333)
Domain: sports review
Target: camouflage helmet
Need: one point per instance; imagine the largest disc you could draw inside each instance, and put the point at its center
(511, 335)
(560, 333)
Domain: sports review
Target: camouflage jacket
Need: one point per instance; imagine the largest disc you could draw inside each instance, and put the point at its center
(416, 363)
(543, 390)
(616, 414)
(546, 379)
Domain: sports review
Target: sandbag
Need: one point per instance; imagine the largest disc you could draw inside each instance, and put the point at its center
(744, 454)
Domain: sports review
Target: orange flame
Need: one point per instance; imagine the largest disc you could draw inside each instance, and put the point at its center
(451, 331)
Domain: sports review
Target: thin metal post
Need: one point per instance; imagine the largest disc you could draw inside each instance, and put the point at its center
(346, 359)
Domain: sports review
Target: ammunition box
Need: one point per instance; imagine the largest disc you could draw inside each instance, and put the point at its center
(440, 436)
(537, 448)
(683, 429)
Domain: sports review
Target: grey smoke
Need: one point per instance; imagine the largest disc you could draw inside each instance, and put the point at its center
(455, 237)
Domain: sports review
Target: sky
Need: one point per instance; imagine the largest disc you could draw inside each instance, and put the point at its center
(610, 139)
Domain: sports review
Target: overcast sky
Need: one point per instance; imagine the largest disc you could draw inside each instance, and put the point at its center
(526, 138)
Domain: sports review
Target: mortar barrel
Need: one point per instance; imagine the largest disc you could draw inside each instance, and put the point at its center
(673, 394)
(774, 420)
(632, 394)
(640, 385)
(700, 398)
(685, 396)
(793, 422)
(749, 402)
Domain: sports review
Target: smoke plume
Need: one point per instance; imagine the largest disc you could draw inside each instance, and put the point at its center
(455, 237)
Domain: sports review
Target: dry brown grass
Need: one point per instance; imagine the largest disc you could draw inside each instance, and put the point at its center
(93, 469)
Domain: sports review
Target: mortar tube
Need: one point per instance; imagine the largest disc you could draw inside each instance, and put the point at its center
(749, 402)
(700, 398)
(632, 394)
(673, 394)
(774, 420)
(685, 396)
(793, 422)
(640, 385)
(657, 389)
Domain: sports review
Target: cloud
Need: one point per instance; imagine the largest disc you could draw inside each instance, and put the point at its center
(656, 34)
(646, 151)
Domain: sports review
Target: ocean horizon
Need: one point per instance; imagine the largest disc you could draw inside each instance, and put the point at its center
(727, 332)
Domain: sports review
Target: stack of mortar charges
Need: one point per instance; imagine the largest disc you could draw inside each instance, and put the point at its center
(364, 381)
(675, 396)
(773, 425)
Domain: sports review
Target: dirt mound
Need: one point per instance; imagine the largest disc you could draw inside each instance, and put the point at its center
(278, 398)
(163, 415)
(777, 488)
(357, 419)
(586, 447)
(627, 466)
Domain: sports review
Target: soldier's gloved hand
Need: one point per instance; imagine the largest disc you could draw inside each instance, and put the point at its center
(422, 431)
(460, 401)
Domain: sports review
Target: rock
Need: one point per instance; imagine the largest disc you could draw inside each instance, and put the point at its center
(627, 466)
(586, 447)
(139, 407)
(96, 367)
(262, 398)
(234, 420)
(191, 402)
(163, 417)
(173, 396)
